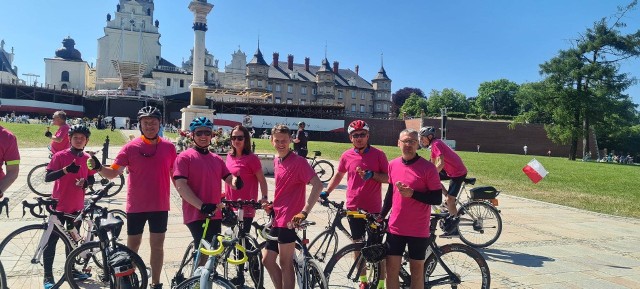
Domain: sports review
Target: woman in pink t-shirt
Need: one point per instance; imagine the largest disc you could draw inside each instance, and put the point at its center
(242, 162)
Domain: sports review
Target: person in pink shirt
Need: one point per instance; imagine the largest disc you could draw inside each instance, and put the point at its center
(242, 162)
(198, 177)
(366, 168)
(68, 168)
(149, 160)
(59, 140)
(292, 174)
(415, 187)
(450, 167)
(10, 156)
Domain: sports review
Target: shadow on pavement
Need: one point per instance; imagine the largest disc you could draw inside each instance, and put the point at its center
(516, 258)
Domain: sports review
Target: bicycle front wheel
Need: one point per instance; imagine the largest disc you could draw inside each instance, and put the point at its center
(314, 276)
(101, 182)
(464, 262)
(324, 170)
(216, 282)
(3, 278)
(35, 181)
(24, 265)
(343, 270)
(324, 245)
(250, 273)
(480, 224)
(90, 260)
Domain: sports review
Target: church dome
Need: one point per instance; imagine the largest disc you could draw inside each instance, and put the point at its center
(68, 52)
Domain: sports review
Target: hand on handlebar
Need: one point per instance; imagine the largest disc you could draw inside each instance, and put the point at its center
(208, 208)
(298, 218)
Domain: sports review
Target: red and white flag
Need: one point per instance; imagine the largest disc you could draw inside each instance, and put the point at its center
(535, 171)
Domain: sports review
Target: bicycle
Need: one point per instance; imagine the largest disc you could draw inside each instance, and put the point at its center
(326, 243)
(37, 184)
(480, 221)
(21, 252)
(323, 169)
(3, 278)
(206, 276)
(117, 266)
(308, 271)
(255, 268)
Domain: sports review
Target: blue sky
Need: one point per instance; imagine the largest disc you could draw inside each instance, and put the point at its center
(426, 44)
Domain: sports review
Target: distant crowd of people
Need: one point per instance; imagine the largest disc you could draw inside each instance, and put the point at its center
(619, 159)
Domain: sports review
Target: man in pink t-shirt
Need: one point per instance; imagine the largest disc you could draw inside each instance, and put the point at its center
(60, 140)
(451, 167)
(10, 156)
(149, 160)
(415, 186)
(292, 174)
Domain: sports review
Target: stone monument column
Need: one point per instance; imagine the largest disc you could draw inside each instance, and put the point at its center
(197, 107)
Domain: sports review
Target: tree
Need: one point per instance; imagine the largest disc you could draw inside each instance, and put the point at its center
(454, 100)
(530, 99)
(585, 83)
(414, 105)
(497, 97)
(401, 95)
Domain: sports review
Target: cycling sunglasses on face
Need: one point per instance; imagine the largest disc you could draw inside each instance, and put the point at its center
(203, 132)
(359, 135)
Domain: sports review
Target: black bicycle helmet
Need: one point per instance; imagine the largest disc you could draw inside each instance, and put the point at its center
(302, 123)
(79, 128)
(151, 111)
(427, 130)
(229, 217)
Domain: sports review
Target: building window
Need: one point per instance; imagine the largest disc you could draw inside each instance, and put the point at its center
(64, 76)
(289, 101)
(168, 81)
(259, 83)
(314, 91)
(64, 86)
(269, 87)
(143, 87)
(302, 101)
(353, 94)
(253, 69)
(289, 88)
(277, 100)
(340, 94)
(303, 90)
(277, 87)
(181, 82)
(353, 108)
(363, 96)
(385, 107)
(251, 83)
(378, 106)
(362, 108)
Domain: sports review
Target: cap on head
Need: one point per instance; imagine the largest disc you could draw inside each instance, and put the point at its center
(357, 125)
(149, 111)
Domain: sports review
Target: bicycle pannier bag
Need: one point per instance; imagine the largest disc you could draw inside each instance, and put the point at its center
(484, 192)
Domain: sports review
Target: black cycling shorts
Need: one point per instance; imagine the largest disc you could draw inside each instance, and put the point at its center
(358, 228)
(137, 221)
(417, 246)
(285, 236)
(196, 228)
(455, 184)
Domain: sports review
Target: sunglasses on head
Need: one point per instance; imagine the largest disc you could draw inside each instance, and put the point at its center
(237, 137)
(359, 135)
(203, 132)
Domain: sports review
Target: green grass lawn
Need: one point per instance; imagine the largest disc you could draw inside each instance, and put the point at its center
(599, 187)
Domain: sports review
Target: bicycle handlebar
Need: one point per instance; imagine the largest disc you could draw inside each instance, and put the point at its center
(243, 203)
(207, 250)
(99, 194)
(40, 202)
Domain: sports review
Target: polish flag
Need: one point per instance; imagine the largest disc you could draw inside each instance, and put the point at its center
(535, 171)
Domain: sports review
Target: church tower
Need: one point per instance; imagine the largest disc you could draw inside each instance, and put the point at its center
(130, 36)
(382, 105)
(325, 80)
(257, 72)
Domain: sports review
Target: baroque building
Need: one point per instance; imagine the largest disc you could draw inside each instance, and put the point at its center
(8, 72)
(67, 70)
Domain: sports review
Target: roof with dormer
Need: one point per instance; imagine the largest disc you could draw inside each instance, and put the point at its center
(257, 58)
(5, 65)
(345, 77)
(325, 67)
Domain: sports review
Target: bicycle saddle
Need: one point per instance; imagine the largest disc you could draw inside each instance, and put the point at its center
(470, 181)
(110, 224)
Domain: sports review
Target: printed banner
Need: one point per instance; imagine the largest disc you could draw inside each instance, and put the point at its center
(268, 121)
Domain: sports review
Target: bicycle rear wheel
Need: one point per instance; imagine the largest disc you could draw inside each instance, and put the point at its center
(314, 275)
(324, 245)
(464, 262)
(3, 278)
(342, 272)
(480, 224)
(101, 182)
(23, 269)
(250, 273)
(324, 170)
(91, 260)
(35, 181)
(216, 282)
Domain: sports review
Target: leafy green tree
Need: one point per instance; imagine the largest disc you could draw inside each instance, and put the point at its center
(531, 100)
(401, 95)
(414, 105)
(454, 100)
(497, 97)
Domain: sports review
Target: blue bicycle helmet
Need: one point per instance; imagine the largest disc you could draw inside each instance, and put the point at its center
(200, 122)
(79, 128)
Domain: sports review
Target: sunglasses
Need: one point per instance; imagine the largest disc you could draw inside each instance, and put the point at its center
(148, 155)
(237, 137)
(409, 141)
(203, 132)
(359, 135)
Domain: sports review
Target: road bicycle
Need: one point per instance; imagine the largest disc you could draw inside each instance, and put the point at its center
(325, 244)
(207, 277)
(480, 221)
(108, 263)
(22, 251)
(3, 278)
(309, 273)
(324, 169)
(37, 184)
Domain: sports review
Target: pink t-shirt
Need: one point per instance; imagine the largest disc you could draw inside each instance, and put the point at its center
(453, 164)
(292, 176)
(63, 132)
(410, 217)
(70, 197)
(245, 166)
(204, 173)
(148, 181)
(9, 154)
(363, 194)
